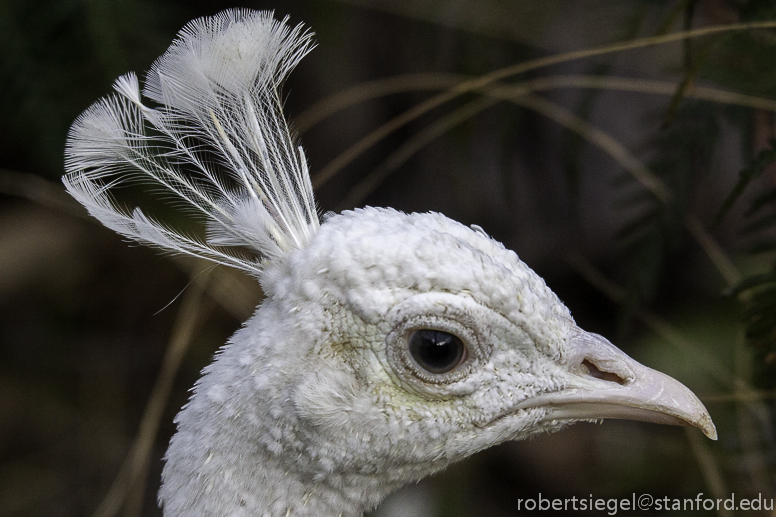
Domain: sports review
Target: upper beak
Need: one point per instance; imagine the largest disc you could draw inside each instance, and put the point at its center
(609, 384)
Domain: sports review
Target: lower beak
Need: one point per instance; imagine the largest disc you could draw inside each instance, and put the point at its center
(606, 383)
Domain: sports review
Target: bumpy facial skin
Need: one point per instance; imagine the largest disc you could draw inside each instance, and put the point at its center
(318, 406)
(332, 395)
(388, 274)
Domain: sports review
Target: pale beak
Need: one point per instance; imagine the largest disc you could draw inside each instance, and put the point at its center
(606, 383)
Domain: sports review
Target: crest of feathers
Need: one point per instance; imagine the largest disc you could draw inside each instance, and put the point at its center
(216, 141)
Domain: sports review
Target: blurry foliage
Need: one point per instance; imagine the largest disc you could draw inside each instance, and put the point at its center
(49, 48)
(757, 292)
(80, 341)
(684, 152)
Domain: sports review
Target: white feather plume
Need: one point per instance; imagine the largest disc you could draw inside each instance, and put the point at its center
(218, 143)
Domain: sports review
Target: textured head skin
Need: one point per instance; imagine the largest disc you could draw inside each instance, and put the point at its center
(317, 408)
(320, 381)
(325, 402)
(380, 274)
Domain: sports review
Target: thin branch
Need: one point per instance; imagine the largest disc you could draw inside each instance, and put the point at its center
(751, 455)
(741, 389)
(137, 460)
(709, 469)
(41, 191)
(237, 293)
(371, 181)
(670, 334)
(639, 171)
(739, 395)
(603, 140)
(713, 250)
(479, 83)
(366, 91)
(518, 94)
(569, 120)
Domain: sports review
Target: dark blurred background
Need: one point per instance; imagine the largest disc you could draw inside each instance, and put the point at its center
(551, 170)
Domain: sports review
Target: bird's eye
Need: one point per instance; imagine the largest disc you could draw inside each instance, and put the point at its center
(436, 351)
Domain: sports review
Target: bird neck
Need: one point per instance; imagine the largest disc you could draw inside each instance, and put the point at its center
(217, 481)
(241, 447)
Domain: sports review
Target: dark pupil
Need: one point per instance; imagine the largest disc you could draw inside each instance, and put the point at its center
(436, 351)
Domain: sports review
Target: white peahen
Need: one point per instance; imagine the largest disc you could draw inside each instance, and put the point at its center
(389, 345)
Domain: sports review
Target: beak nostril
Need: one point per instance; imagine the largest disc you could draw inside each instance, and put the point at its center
(596, 372)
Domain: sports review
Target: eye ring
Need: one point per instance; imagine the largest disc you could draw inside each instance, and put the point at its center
(436, 351)
(433, 370)
(441, 312)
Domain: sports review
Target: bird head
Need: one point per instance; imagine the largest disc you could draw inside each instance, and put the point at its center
(430, 341)
(389, 345)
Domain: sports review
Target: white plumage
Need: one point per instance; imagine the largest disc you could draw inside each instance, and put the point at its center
(221, 121)
(389, 345)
